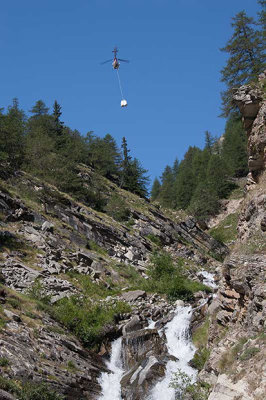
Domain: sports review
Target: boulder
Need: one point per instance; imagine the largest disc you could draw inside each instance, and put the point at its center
(134, 295)
(133, 325)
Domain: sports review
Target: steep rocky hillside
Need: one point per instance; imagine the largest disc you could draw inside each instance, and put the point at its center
(73, 279)
(236, 318)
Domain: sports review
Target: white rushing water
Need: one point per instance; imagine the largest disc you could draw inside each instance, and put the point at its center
(110, 383)
(179, 344)
(208, 279)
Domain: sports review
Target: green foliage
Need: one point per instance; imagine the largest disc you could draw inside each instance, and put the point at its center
(200, 358)
(117, 208)
(245, 61)
(133, 175)
(182, 383)
(12, 130)
(38, 391)
(36, 292)
(234, 150)
(86, 319)
(155, 239)
(226, 231)
(155, 190)
(166, 195)
(29, 390)
(4, 362)
(249, 353)
(204, 202)
(167, 278)
(95, 247)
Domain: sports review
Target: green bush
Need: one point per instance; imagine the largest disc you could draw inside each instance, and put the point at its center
(167, 278)
(200, 358)
(29, 390)
(86, 319)
(3, 361)
(32, 391)
(117, 208)
(155, 239)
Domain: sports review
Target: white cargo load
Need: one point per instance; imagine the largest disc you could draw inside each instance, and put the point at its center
(123, 103)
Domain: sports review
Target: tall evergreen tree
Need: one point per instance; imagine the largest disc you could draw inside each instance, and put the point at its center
(167, 188)
(39, 109)
(234, 147)
(155, 190)
(12, 135)
(245, 60)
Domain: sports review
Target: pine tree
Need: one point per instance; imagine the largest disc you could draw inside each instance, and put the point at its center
(39, 109)
(234, 146)
(155, 190)
(133, 175)
(12, 135)
(166, 197)
(245, 60)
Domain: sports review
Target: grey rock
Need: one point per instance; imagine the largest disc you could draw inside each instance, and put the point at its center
(6, 396)
(133, 325)
(133, 295)
(48, 227)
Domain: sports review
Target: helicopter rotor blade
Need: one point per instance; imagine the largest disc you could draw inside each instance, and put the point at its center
(120, 59)
(105, 62)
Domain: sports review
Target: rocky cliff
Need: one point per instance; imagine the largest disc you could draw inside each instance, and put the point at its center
(54, 248)
(235, 367)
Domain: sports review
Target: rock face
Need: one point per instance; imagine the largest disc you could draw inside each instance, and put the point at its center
(144, 357)
(252, 106)
(236, 362)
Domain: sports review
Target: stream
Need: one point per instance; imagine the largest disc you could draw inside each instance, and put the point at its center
(179, 344)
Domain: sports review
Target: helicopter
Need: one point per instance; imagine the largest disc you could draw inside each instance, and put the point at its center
(115, 60)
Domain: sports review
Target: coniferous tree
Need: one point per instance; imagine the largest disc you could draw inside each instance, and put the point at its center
(155, 190)
(39, 109)
(167, 188)
(234, 147)
(245, 60)
(12, 135)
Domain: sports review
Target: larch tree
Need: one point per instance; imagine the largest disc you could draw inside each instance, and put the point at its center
(155, 190)
(245, 61)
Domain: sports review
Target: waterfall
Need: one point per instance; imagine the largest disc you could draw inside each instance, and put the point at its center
(110, 383)
(208, 279)
(179, 345)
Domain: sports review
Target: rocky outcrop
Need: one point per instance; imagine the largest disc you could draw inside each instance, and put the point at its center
(235, 366)
(42, 352)
(251, 103)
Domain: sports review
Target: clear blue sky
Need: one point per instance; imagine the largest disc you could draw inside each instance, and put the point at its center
(52, 50)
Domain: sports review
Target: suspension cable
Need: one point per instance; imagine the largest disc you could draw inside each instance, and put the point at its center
(119, 81)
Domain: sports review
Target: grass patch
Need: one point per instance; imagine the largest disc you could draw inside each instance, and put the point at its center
(154, 239)
(249, 353)
(4, 362)
(167, 278)
(200, 339)
(92, 245)
(226, 231)
(228, 357)
(29, 390)
(86, 319)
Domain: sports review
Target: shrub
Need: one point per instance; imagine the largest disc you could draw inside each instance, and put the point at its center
(200, 358)
(117, 208)
(95, 247)
(249, 353)
(34, 391)
(167, 278)
(182, 383)
(85, 319)
(155, 239)
(3, 361)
